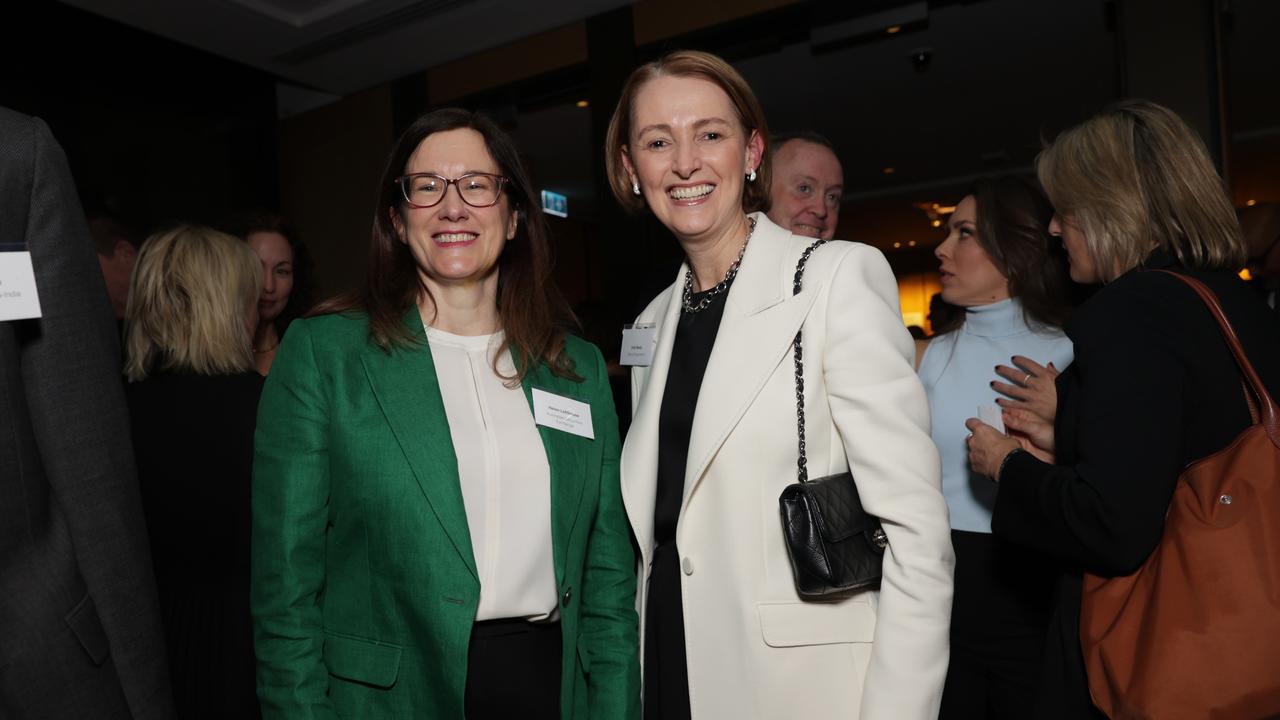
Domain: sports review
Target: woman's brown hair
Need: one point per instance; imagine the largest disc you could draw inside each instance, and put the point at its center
(1135, 177)
(532, 310)
(1013, 227)
(690, 64)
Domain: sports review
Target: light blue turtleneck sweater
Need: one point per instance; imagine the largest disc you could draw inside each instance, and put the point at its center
(957, 369)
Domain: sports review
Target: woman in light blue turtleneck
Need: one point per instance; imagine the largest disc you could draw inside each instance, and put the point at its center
(1001, 266)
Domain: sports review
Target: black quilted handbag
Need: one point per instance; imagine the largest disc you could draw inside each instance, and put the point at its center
(835, 546)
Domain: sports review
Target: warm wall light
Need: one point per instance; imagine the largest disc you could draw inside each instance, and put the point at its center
(937, 223)
(911, 243)
(1250, 203)
(582, 103)
(897, 245)
(893, 30)
(1245, 275)
(888, 171)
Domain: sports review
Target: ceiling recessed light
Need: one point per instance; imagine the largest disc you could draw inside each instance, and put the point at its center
(937, 223)
(911, 244)
(893, 30)
(1250, 203)
(582, 103)
(887, 171)
(897, 245)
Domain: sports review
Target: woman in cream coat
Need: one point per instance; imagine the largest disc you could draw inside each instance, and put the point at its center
(724, 633)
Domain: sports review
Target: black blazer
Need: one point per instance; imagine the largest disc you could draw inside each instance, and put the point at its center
(193, 440)
(79, 628)
(1152, 389)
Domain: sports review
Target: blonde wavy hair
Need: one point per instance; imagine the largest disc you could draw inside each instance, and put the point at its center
(1135, 177)
(191, 289)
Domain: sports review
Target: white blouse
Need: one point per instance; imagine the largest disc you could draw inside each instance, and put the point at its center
(506, 481)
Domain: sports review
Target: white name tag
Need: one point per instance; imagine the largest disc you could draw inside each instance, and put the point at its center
(18, 299)
(562, 413)
(638, 342)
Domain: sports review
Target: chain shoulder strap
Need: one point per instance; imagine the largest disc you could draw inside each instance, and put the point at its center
(802, 469)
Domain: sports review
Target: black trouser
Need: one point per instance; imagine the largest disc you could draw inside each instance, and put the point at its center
(998, 622)
(513, 671)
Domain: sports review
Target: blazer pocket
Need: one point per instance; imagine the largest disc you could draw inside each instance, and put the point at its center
(87, 627)
(817, 623)
(363, 661)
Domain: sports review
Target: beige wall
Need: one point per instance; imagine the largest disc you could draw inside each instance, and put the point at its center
(330, 162)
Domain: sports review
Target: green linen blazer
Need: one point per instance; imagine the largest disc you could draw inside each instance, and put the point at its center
(364, 582)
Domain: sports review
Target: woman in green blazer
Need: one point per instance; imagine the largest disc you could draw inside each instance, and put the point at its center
(438, 530)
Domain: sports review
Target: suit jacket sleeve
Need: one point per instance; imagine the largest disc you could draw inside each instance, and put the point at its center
(1105, 512)
(880, 410)
(75, 397)
(608, 624)
(290, 513)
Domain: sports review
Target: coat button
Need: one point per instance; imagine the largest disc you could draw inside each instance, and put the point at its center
(564, 601)
(687, 566)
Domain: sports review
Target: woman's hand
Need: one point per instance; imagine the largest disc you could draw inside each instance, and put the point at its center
(1038, 432)
(988, 447)
(1030, 388)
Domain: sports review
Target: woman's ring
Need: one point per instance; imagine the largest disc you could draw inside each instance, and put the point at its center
(1026, 380)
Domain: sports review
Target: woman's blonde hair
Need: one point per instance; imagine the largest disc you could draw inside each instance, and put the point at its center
(1135, 177)
(702, 66)
(190, 291)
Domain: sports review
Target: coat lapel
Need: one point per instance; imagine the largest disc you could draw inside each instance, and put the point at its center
(405, 385)
(640, 452)
(761, 318)
(567, 457)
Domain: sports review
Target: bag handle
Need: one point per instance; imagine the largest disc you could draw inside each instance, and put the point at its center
(1270, 418)
(802, 461)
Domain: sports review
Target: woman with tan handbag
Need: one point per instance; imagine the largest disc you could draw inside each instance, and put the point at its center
(1153, 389)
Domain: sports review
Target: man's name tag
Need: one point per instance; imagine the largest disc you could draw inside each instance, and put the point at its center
(638, 342)
(18, 299)
(562, 413)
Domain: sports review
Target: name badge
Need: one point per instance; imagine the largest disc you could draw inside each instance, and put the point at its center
(18, 299)
(562, 413)
(638, 343)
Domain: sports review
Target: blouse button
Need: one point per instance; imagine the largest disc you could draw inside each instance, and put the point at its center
(564, 601)
(687, 566)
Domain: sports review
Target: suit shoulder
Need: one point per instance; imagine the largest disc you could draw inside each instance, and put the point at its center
(845, 258)
(341, 329)
(585, 355)
(12, 123)
(19, 135)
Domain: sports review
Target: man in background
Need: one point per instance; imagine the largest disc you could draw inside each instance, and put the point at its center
(117, 251)
(79, 621)
(808, 184)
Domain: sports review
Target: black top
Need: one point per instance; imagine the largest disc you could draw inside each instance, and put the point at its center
(1153, 388)
(666, 677)
(193, 439)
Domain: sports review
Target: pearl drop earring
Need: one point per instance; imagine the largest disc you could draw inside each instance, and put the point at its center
(635, 188)
(752, 176)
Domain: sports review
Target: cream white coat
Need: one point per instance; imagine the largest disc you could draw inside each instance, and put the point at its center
(754, 648)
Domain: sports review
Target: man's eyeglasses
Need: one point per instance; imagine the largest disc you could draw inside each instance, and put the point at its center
(424, 190)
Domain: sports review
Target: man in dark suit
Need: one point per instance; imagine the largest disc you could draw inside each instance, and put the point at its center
(79, 628)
